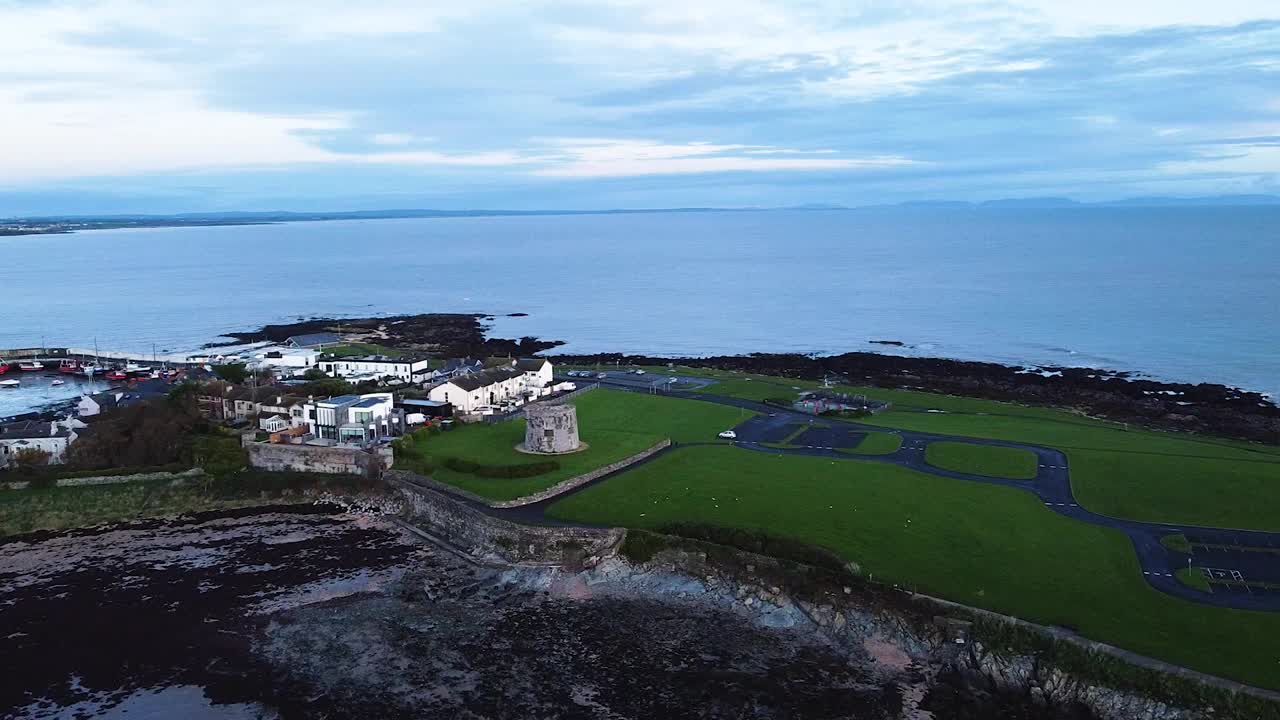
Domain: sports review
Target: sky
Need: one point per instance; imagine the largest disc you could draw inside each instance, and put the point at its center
(133, 106)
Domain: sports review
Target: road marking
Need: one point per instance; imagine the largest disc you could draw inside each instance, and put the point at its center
(1144, 572)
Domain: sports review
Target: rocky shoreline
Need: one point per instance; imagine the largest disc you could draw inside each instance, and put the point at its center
(1121, 396)
(447, 334)
(308, 612)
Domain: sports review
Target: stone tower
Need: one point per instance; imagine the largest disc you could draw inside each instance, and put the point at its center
(551, 428)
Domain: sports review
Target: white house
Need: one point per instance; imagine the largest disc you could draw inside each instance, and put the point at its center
(538, 372)
(404, 369)
(34, 435)
(355, 418)
(290, 407)
(292, 360)
(473, 390)
(274, 424)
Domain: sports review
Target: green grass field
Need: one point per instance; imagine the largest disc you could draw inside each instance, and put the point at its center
(614, 424)
(1002, 462)
(1117, 471)
(878, 443)
(988, 546)
(353, 349)
(1193, 577)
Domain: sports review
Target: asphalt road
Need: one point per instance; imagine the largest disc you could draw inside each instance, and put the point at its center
(1235, 567)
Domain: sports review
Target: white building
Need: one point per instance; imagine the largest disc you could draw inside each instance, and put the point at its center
(292, 360)
(537, 372)
(35, 435)
(485, 388)
(355, 419)
(290, 407)
(274, 424)
(377, 367)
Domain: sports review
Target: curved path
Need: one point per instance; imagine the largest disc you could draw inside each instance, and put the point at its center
(1052, 485)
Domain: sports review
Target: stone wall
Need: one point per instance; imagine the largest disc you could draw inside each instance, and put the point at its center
(111, 479)
(576, 482)
(468, 529)
(319, 459)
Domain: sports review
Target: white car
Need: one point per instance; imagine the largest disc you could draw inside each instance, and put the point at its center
(729, 435)
(603, 376)
(639, 371)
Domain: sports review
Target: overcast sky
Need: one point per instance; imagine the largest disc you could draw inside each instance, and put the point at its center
(128, 106)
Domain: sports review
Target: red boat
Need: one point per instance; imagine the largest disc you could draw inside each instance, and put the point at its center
(117, 375)
(4, 367)
(69, 367)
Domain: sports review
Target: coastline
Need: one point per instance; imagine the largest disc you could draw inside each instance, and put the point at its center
(1119, 395)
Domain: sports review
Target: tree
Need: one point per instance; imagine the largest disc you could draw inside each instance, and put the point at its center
(233, 373)
(28, 458)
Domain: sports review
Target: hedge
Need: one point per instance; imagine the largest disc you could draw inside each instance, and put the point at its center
(522, 470)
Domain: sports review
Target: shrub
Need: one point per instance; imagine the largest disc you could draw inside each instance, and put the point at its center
(522, 470)
(31, 458)
(778, 402)
(233, 373)
(42, 482)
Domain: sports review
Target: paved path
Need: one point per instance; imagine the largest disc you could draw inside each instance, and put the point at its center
(1052, 485)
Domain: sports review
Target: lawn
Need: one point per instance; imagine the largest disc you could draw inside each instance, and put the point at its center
(992, 461)
(1138, 474)
(878, 443)
(1230, 493)
(1146, 475)
(359, 348)
(613, 423)
(989, 546)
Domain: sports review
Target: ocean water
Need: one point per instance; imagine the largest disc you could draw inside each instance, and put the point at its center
(1188, 294)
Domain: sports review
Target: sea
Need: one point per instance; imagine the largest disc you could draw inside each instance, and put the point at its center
(1175, 293)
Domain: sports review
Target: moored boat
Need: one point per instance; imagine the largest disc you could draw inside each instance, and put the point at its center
(4, 367)
(117, 375)
(30, 366)
(58, 382)
(9, 383)
(69, 367)
(92, 370)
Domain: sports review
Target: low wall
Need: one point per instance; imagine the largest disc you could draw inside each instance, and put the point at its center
(318, 459)
(467, 528)
(110, 479)
(576, 482)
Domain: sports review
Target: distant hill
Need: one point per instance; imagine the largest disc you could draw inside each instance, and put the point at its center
(1209, 200)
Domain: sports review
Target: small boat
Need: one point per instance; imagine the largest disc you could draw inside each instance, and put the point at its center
(30, 366)
(117, 375)
(70, 367)
(4, 367)
(58, 382)
(136, 368)
(92, 370)
(9, 383)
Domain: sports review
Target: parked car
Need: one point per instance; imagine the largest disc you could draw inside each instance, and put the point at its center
(603, 376)
(729, 435)
(638, 371)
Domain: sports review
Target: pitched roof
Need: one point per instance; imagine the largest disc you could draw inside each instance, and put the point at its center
(314, 339)
(531, 364)
(485, 378)
(26, 430)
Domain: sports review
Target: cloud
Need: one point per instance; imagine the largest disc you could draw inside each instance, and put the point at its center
(398, 139)
(787, 96)
(598, 158)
